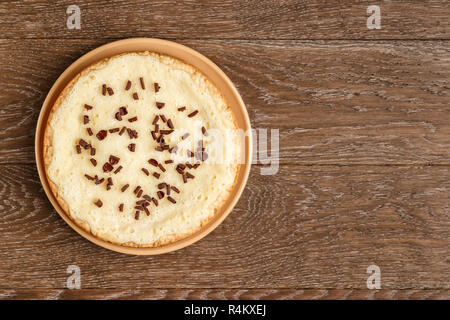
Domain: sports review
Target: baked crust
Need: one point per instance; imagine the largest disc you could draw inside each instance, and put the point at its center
(48, 152)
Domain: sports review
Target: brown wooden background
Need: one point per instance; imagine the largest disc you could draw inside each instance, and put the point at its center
(364, 119)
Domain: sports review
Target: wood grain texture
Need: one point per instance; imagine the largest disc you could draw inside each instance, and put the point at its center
(223, 294)
(314, 227)
(334, 102)
(292, 19)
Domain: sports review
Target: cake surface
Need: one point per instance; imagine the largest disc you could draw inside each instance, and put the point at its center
(141, 149)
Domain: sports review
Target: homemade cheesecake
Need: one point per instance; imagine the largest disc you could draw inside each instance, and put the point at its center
(141, 149)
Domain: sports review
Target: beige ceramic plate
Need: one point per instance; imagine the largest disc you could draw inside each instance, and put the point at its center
(187, 55)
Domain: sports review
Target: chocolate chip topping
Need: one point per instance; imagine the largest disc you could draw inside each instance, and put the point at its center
(123, 111)
(205, 133)
(139, 194)
(184, 178)
(88, 107)
(113, 130)
(101, 134)
(168, 161)
(118, 116)
(132, 147)
(156, 175)
(104, 89)
(99, 203)
(110, 91)
(128, 85)
(136, 190)
(93, 161)
(78, 148)
(163, 118)
(141, 80)
(118, 169)
(135, 96)
(85, 119)
(156, 86)
(171, 199)
(175, 189)
(84, 144)
(121, 207)
(89, 177)
(190, 115)
(93, 151)
(125, 187)
(160, 105)
(190, 176)
(132, 119)
(89, 131)
(154, 135)
(160, 194)
(113, 160)
(169, 123)
(122, 131)
(136, 215)
(107, 167)
(161, 185)
(155, 120)
(145, 171)
(153, 162)
(181, 109)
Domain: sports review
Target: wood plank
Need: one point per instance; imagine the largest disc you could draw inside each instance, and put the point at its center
(334, 102)
(226, 19)
(314, 227)
(222, 294)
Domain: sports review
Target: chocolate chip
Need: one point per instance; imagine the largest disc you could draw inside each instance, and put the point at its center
(155, 120)
(118, 169)
(135, 96)
(205, 133)
(93, 161)
(160, 194)
(85, 119)
(78, 148)
(145, 171)
(118, 116)
(136, 190)
(104, 89)
(184, 178)
(142, 83)
(160, 105)
(139, 194)
(146, 211)
(190, 115)
(189, 176)
(113, 130)
(89, 131)
(84, 144)
(162, 185)
(181, 166)
(175, 189)
(155, 202)
(87, 107)
(181, 109)
(163, 118)
(107, 167)
(156, 86)
(123, 111)
(88, 177)
(153, 162)
(170, 124)
(110, 91)
(154, 135)
(125, 187)
(128, 86)
(147, 197)
(122, 131)
(99, 181)
(171, 199)
(165, 132)
(113, 160)
(159, 148)
(101, 134)
(156, 175)
(190, 153)
(167, 189)
(132, 119)
(136, 215)
(121, 207)
(99, 203)
(168, 161)
(132, 147)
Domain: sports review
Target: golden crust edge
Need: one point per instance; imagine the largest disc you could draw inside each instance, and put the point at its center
(48, 152)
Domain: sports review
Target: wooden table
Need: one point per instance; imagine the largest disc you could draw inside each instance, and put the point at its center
(364, 176)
